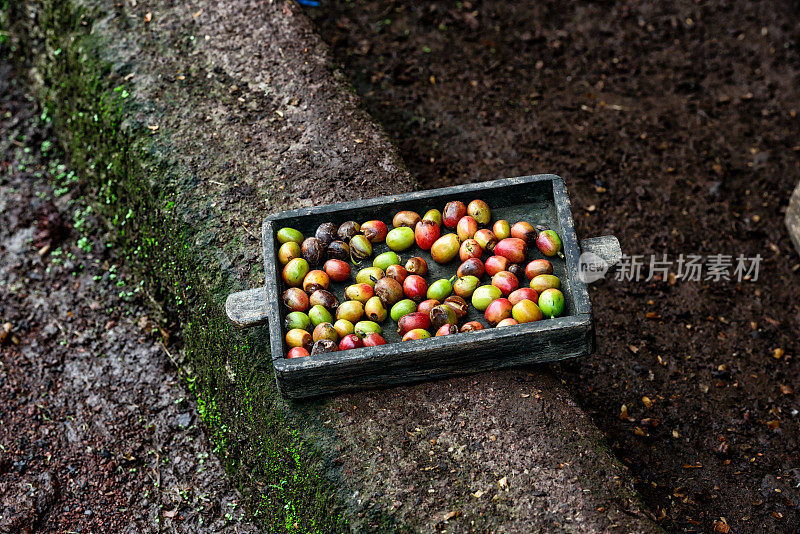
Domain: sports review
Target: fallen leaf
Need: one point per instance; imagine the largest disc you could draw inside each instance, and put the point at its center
(773, 424)
(786, 390)
(503, 483)
(478, 494)
(148, 17)
(450, 515)
(778, 353)
(647, 402)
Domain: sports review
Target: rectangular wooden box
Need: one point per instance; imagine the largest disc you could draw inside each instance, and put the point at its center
(540, 199)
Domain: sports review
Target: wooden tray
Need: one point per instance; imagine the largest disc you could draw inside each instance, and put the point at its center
(540, 199)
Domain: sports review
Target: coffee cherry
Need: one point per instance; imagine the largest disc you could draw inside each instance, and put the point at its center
(508, 321)
(369, 275)
(495, 264)
(471, 267)
(526, 311)
(360, 248)
(348, 230)
(465, 286)
(295, 271)
(314, 280)
(325, 331)
(383, 261)
(486, 239)
(442, 314)
(350, 310)
(549, 243)
(313, 250)
(409, 219)
(324, 298)
(440, 289)
(426, 233)
(466, 228)
(453, 211)
(551, 302)
(399, 239)
(350, 341)
(512, 248)
(401, 308)
(415, 288)
(471, 326)
(375, 310)
(397, 272)
(296, 299)
(517, 270)
(299, 338)
(343, 327)
(458, 304)
(470, 249)
(498, 310)
(289, 234)
(523, 293)
(525, 231)
(319, 314)
(337, 270)
(339, 250)
(363, 328)
(537, 267)
(445, 248)
(505, 281)
(389, 291)
(412, 321)
(417, 265)
(446, 330)
(545, 281)
(327, 233)
(297, 352)
(479, 210)
(501, 229)
(375, 231)
(417, 333)
(427, 305)
(373, 339)
(360, 292)
(324, 346)
(433, 215)
(485, 295)
(297, 319)
(289, 251)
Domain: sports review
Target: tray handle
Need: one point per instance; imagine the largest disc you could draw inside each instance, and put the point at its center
(247, 308)
(607, 247)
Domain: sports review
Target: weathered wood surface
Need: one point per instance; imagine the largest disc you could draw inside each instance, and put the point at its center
(607, 247)
(247, 308)
(793, 218)
(539, 199)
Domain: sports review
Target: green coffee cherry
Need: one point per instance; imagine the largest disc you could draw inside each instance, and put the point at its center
(286, 235)
(297, 319)
(370, 275)
(399, 239)
(404, 307)
(363, 328)
(440, 289)
(551, 302)
(383, 261)
(318, 314)
(485, 295)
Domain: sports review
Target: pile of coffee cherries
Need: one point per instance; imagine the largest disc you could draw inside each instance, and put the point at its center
(318, 322)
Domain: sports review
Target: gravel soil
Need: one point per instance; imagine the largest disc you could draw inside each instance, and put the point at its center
(675, 127)
(98, 432)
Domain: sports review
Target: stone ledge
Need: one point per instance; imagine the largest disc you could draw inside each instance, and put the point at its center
(192, 122)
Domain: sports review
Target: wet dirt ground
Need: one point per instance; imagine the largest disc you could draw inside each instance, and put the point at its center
(98, 434)
(675, 127)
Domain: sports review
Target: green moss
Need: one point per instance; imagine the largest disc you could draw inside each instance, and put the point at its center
(123, 172)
